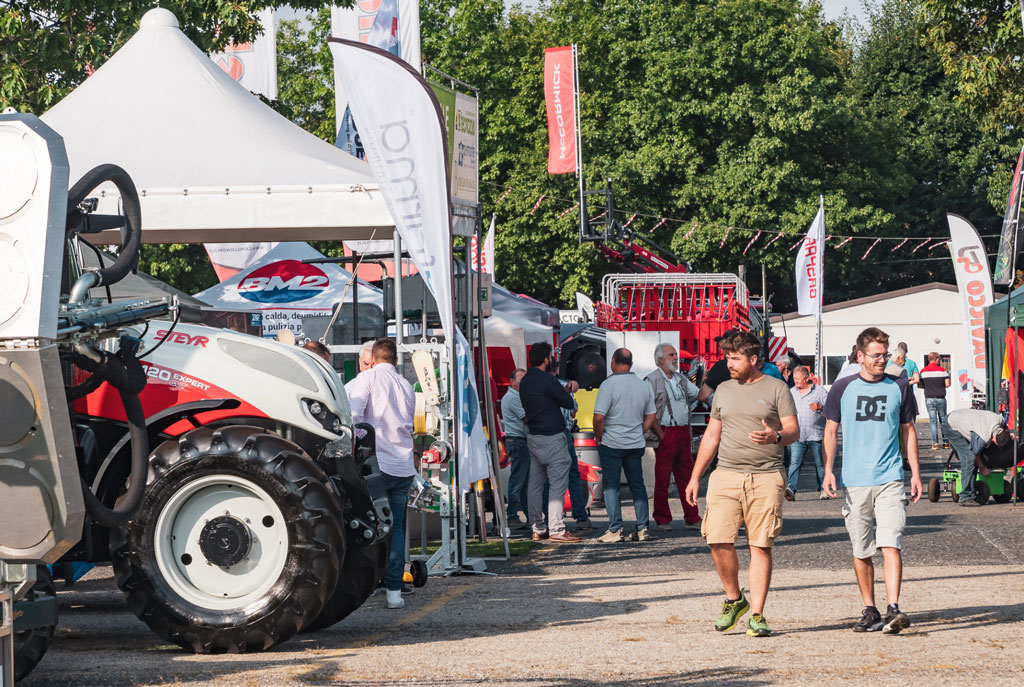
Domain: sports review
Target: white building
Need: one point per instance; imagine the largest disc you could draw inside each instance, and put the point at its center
(927, 317)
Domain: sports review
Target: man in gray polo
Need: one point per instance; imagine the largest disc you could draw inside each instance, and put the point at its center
(623, 412)
(513, 419)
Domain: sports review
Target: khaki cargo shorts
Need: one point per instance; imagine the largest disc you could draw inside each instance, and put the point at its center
(751, 498)
(875, 517)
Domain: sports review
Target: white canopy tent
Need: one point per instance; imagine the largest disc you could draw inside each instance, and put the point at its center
(211, 162)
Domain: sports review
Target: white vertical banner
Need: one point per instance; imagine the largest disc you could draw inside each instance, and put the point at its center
(810, 270)
(404, 139)
(253, 64)
(391, 25)
(484, 262)
(974, 281)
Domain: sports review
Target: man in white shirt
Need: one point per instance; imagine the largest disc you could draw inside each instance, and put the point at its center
(674, 394)
(384, 399)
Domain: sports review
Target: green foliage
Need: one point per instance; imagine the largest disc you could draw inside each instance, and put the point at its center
(184, 266)
(737, 113)
(726, 113)
(305, 73)
(47, 47)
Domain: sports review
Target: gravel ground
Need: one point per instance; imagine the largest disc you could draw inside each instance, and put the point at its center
(636, 614)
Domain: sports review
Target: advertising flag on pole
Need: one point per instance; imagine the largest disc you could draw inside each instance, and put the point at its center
(485, 262)
(1008, 236)
(975, 286)
(253, 64)
(810, 268)
(404, 139)
(392, 25)
(559, 96)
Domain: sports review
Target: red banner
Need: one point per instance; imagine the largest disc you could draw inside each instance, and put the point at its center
(559, 94)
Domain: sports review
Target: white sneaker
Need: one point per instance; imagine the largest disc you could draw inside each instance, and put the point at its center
(822, 496)
(642, 535)
(395, 599)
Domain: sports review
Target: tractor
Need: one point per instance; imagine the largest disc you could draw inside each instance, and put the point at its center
(219, 473)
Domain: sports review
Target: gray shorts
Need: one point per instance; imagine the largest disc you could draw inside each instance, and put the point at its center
(875, 517)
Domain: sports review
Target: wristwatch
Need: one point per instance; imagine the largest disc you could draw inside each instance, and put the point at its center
(778, 437)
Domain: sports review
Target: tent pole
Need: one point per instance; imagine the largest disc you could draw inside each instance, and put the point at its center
(399, 307)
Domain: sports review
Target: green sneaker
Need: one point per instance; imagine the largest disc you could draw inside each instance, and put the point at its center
(757, 626)
(731, 613)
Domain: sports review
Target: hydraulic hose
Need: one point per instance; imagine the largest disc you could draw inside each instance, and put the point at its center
(128, 256)
(120, 515)
(124, 372)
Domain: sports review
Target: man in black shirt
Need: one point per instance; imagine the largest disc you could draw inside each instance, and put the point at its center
(543, 398)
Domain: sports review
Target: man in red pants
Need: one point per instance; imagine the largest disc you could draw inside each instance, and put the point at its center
(674, 394)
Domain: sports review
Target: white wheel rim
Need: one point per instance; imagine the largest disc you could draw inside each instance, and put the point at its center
(181, 561)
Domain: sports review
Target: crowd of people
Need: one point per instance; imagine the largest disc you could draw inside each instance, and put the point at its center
(764, 421)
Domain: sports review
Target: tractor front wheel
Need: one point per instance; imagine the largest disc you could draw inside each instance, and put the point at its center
(236, 545)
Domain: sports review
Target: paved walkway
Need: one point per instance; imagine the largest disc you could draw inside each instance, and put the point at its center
(632, 614)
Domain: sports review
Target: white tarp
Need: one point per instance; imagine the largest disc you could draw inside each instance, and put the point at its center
(504, 330)
(211, 162)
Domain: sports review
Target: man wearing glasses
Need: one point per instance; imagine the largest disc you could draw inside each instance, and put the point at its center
(876, 411)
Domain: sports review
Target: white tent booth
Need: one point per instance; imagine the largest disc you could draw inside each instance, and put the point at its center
(213, 164)
(283, 289)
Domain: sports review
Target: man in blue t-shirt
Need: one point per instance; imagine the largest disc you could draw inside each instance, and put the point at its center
(876, 411)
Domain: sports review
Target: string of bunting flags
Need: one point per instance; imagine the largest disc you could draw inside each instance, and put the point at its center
(631, 217)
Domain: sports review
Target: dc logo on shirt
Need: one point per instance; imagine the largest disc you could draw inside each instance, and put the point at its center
(871, 408)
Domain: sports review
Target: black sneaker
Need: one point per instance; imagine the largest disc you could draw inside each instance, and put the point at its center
(870, 620)
(895, 620)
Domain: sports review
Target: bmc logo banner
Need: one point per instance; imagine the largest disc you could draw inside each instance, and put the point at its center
(285, 281)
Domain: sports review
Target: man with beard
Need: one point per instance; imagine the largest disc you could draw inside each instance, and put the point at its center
(674, 394)
(543, 398)
(876, 410)
(752, 418)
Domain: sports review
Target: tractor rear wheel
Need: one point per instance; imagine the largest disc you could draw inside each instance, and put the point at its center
(236, 545)
(30, 645)
(934, 489)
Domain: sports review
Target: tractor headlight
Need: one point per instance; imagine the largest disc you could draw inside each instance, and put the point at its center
(319, 412)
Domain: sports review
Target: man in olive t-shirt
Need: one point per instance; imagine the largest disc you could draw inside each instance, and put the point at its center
(752, 418)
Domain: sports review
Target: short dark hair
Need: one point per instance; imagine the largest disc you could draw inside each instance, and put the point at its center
(622, 356)
(743, 343)
(869, 336)
(314, 346)
(853, 354)
(538, 352)
(385, 351)
(934, 357)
